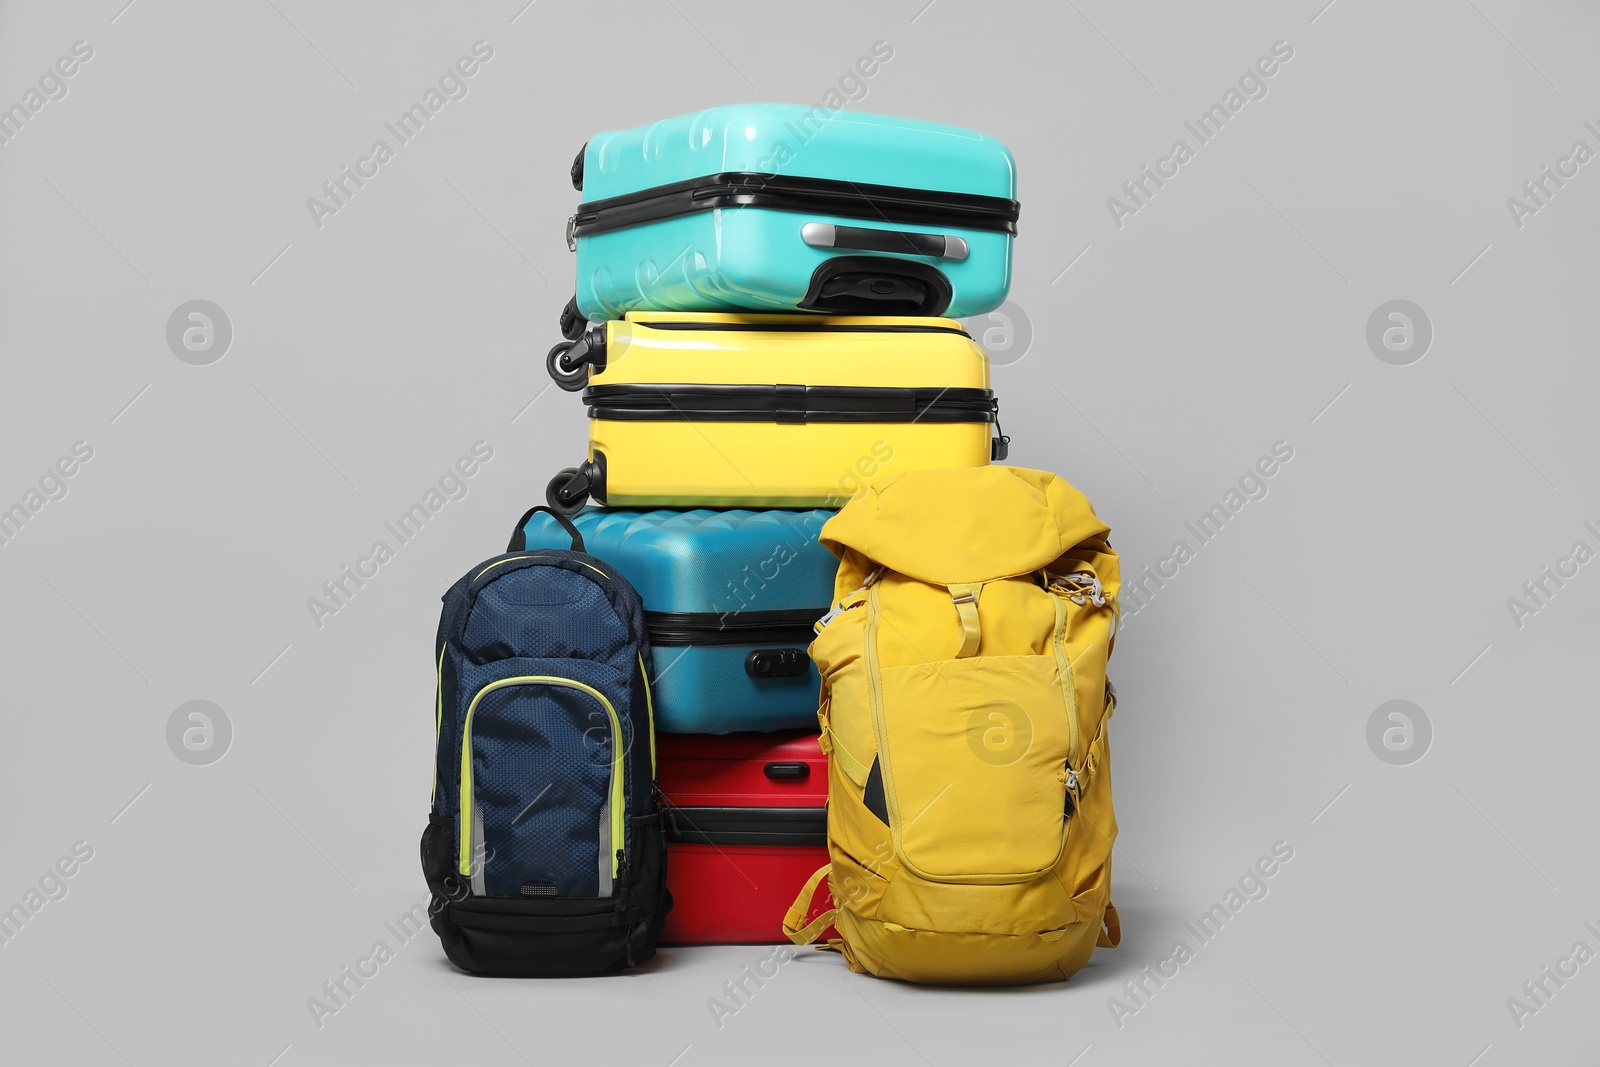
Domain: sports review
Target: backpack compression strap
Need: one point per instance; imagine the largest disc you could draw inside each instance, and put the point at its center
(965, 597)
(804, 935)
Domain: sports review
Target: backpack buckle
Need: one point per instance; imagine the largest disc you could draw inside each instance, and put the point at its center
(849, 601)
(852, 599)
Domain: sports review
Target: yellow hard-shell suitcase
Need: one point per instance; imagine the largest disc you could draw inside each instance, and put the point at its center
(690, 408)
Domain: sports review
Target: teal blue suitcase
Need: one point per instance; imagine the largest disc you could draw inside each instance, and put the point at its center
(730, 597)
(781, 207)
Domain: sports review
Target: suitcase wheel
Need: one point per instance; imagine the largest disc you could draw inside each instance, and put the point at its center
(567, 376)
(572, 321)
(567, 491)
(577, 168)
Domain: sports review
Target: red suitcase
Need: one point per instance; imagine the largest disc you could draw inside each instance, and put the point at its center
(747, 827)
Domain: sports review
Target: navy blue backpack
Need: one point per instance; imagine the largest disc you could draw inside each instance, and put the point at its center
(544, 850)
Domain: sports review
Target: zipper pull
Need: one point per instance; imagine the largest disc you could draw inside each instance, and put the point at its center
(1069, 780)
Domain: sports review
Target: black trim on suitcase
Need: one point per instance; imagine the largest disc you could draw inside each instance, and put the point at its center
(815, 196)
(748, 826)
(677, 629)
(788, 403)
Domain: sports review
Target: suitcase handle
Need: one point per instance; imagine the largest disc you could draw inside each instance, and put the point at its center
(795, 771)
(776, 663)
(519, 536)
(869, 239)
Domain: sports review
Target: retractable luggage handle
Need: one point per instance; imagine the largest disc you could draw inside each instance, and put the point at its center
(870, 239)
(519, 536)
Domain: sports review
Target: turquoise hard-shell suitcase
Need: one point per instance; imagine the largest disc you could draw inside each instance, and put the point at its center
(730, 597)
(782, 207)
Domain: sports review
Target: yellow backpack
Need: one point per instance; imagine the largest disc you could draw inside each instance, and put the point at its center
(964, 705)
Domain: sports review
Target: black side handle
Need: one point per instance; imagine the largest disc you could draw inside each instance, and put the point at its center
(519, 536)
(787, 772)
(776, 662)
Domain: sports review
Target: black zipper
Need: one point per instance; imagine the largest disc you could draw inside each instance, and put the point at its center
(788, 403)
(790, 626)
(817, 196)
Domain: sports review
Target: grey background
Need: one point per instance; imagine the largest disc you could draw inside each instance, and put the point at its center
(367, 355)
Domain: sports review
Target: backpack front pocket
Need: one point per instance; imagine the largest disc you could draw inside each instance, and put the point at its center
(543, 801)
(981, 747)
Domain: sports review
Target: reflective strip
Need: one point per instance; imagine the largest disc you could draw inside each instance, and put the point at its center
(535, 555)
(438, 718)
(650, 709)
(607, 850)
(496, 563)
(481, 861)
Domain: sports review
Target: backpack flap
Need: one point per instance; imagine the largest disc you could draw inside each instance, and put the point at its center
(949, 527)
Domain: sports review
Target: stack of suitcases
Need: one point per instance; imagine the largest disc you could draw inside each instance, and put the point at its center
(764, 322)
